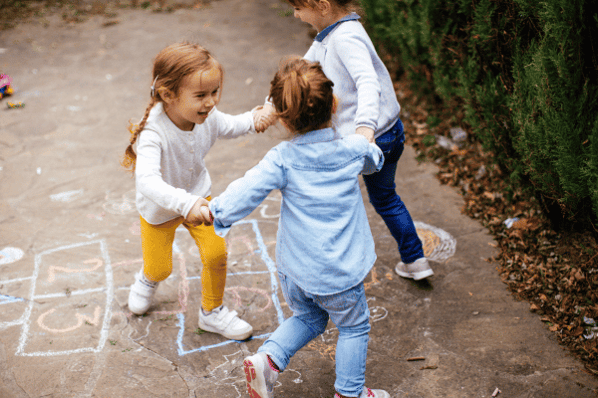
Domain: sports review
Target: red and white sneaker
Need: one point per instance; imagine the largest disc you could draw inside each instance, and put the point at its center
(260, 376)
(369, 393)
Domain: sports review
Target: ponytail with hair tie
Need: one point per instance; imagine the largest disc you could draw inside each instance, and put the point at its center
(302, 95)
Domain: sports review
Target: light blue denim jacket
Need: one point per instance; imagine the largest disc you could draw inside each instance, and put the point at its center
(324, 243)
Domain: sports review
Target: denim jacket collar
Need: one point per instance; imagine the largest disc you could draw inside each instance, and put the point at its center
(323, 135)
(320, 36)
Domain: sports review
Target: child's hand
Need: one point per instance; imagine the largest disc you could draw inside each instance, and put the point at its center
(264, 117)
(366, 132)
(200, 214)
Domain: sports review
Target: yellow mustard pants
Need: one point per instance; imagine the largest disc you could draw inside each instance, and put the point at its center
(156, 245)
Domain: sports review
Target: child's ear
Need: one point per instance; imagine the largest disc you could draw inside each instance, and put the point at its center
(167, 95)
(324, 7)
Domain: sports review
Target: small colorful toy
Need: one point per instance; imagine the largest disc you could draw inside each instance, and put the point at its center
(5, 88)
(12, 105)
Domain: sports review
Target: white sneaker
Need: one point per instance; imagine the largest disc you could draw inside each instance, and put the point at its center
(224, 322)
(368, 393)
(140, 296)
(419, 269)
(260, 376)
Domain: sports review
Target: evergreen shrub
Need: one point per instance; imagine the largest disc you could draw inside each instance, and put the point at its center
(525, 74)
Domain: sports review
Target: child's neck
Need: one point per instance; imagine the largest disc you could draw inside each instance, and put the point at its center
(334, 16)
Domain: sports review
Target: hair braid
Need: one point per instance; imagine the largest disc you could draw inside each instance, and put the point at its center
(171, 66)
(135, 129)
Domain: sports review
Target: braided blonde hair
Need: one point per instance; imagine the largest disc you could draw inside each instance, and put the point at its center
(171, 66)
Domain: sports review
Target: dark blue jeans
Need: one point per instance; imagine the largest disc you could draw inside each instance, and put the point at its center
(383, 195)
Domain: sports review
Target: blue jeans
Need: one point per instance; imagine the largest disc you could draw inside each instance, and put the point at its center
(348, 310)
(381, 189)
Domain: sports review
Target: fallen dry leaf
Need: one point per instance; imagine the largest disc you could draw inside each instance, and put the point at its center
(533, 260)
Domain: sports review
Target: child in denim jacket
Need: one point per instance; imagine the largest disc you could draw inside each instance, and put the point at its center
(324, 247)
(368, 106)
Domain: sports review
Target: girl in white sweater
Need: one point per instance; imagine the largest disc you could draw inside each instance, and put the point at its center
(180, 125)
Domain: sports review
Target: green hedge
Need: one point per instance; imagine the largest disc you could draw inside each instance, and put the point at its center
(525, 74)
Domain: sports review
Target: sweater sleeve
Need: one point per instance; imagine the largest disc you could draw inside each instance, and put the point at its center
(355, 56)
(242, 196)
(232, 126)
(310, 55)
(149, 181)
(374, 159)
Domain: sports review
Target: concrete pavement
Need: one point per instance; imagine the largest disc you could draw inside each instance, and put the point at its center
(69, 239)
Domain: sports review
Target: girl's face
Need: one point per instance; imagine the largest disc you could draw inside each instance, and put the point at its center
(311, 16)
(198, 95)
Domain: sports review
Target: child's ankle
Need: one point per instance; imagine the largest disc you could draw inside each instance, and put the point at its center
(273, 366)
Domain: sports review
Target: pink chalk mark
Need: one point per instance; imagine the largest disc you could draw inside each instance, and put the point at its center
(99, 217)
(54, 268)
(127, 262)
(237, 297)
(245, 240)
(183, 286)
(80, 320)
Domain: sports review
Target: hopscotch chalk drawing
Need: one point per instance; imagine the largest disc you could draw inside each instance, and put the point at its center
(271, 296)
(76, 296)
(43, 330)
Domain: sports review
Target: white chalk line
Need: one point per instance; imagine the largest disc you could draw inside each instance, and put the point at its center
(145, 335)
(67, 196)
(16, 280)
(109, 290)
(72, 293)
(274, 288)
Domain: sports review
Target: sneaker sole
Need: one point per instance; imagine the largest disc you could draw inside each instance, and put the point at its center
(255, 387)
(415, 276)
(239, 337)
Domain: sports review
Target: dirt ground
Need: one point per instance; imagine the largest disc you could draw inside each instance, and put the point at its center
(69, 238)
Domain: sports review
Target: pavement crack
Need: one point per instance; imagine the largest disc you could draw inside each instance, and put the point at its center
(161, 356)
(21, 388)
(185, 381)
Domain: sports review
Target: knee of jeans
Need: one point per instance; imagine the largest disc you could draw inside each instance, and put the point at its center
(359, 329)
(320, 326)
(317, 324)
(383, 199)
